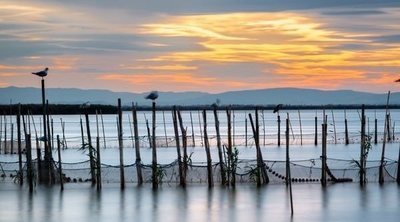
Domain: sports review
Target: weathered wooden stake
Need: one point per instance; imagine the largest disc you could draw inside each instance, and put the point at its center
(60, 163)
(323, 156)
(263, 122)
(12, 139)
(191, 123)
(279, 129)
(1, 135)
(21, 182)
(82, 134)
(230, 148)
(287, 150)
(363, 149)
(207, 148)
(154, 151)
(184, 145)
(182, 181)
(29, 167)
(38, 150)
(65, 145)
(201, 130)
(91, 157)
(389, 121)
(245, 130)
(301, 129)
(98, 163)
(121, 146)
(102, 127)
(219, 146)
(165, 129)
(376, 130)
(346, 130)
(138, 161)
(5, 134)
(381, 166)
(334, 126)
(316, 131)
(52, 132)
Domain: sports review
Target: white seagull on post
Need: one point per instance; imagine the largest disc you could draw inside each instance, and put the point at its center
(42, 73)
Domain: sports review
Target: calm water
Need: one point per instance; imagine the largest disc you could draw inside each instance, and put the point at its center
(80, 202)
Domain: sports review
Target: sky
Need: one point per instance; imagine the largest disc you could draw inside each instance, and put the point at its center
(201, 45)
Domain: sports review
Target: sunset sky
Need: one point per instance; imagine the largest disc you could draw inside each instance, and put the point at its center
(201, 45)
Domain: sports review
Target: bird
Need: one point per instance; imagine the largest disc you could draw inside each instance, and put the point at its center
(277, 108)
(397, 80)
(153, 95)
(85, 105)
(42, 73)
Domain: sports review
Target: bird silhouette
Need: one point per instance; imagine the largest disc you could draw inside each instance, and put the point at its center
(86, 105)
(153, 95)
(397, 80)
(277, 108)
(42, 73)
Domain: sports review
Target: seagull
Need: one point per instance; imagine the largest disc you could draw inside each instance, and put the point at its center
(153, 95)
(85, 105)
(277, 108)
(42, 73)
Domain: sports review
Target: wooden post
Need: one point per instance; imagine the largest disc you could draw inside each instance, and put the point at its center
(261, 171)
(1, 135)
(21, 182)
(245, 129)
(263, 121)
(82, 135)
(165, 129)
(346, 130)
(323, 156)
(316, 131)
(389, 137)
(138, 161)
(5, 134)
(12, 138)
(49, 162)
(301, 129)
(201, 130)
(376, 130)
(52, 131)
(121, 146)
(381, 166)
(91, 157)
(363, 149)
(230, 148)
(207, 148)
(287, 150)
(102, 127)
(219, 146)
(65, 145)
(38, 150)
(98, 163)
(184, 145)
(154, 153)
(279, 129)
(398, 168)
(191, 123)
(182, 177)
(29, 172)
(233, 127)
(148, 133)
(60, 162)
(334, 126)
(131, 130)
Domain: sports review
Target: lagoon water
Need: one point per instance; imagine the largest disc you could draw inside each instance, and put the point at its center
(197, 203)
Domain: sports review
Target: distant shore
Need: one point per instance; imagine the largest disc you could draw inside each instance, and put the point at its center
(66, 109)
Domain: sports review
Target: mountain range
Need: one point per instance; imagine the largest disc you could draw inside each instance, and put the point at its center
(288, 96)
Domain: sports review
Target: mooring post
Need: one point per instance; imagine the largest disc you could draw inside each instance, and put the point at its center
(154, 151)
(12, 138)
(245, 130)
(165, 129)
(301, 129)
(346, 130)
(191, 123)
(138, 161)
(316, 131)
(207, 148)
(376, 131)
(323, 156)
(1, 135)
(381, 166)
(102, 127)
(121, 146)
(287, 150)
(91, 158)
(98, 164)
(230, 153)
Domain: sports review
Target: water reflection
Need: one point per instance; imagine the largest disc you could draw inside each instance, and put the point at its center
(197, 203)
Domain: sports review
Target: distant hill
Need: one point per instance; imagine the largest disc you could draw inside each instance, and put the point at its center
(290, 96)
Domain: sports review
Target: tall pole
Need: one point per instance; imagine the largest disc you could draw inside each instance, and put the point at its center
(46, 147)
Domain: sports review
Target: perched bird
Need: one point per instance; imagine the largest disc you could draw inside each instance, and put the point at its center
(42, 73)
(397, 80)
(277, 108)
(153, 95)
(85, 105)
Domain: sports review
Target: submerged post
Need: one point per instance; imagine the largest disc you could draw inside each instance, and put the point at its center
(287, 151)
(346, 131)
(323, 156)
(363, 148)
(219, 146)
(381, 166)
(154, 151)
(279, 130)
(184, 146)
(91, 157)
(21, 182)
(29, 167)
(316, 131)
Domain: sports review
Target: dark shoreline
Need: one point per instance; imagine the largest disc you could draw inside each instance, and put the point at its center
(66, 109)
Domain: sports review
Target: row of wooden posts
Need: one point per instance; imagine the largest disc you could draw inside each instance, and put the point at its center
(226, 155)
